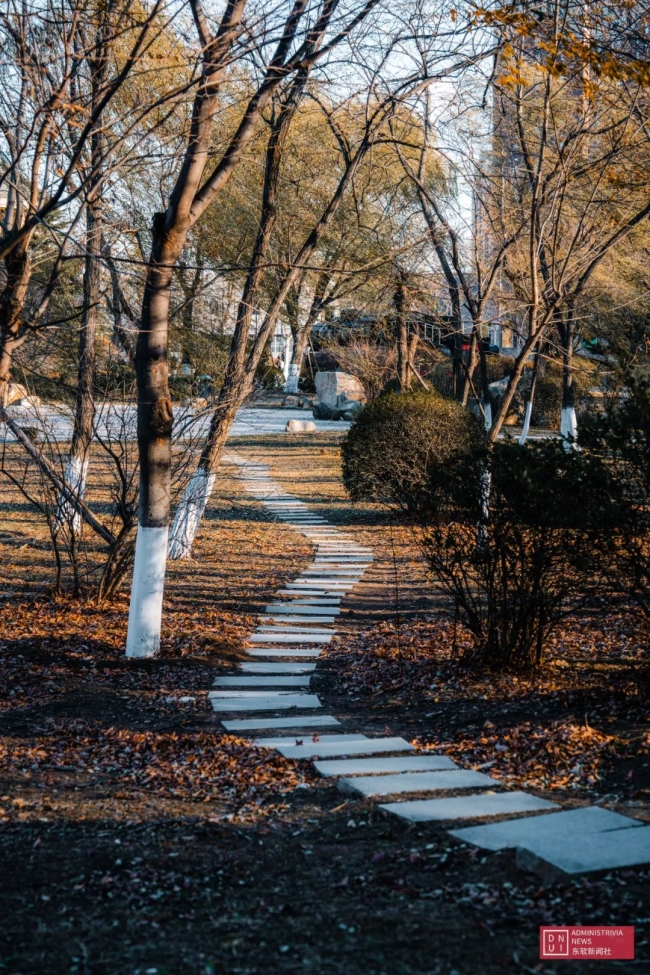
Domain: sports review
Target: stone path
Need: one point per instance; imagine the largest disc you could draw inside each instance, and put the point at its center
(272, 695)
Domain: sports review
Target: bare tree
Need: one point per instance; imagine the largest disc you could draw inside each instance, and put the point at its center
(302, 33)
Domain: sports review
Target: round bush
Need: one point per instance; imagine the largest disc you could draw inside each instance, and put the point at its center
(400, 443)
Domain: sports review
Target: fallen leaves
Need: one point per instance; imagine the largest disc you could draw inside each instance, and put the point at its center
(195, 766)
(558, 755)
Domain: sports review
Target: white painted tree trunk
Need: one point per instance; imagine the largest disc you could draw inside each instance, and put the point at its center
(487, 412)
(291, 385)
(189, 514)
(569, 427)
(76, 471)
(484, 488)
(145, 612)
(524, 433)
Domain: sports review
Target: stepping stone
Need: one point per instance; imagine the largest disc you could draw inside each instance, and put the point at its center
(380, 766)
(332, 600)
(288, 638)
(318, 585)
(367, 747)
(285, 652)
(254, 695)
(296, 741)
(273, 668)
(306, 611)
(562, 825)
(341, 563)
(327, 572)
(467, 807)
(270, 703)
(269, 724)
(281, 680)
(302, 619)
(558, 857)
(303, 590)
(301, 631)
(388, 785)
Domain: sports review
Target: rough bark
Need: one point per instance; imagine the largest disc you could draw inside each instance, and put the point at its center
(12, 302)
(84, 417)
(402, 337)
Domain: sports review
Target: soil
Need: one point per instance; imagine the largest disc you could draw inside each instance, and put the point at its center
(139, 839)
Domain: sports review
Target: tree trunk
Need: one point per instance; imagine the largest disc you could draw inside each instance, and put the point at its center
(568, 421)
(300, 342)
(531, 400)
(486, 396)
(402, 335)
(154, 447)
(12, 302)
(82, 433)
(470, 369)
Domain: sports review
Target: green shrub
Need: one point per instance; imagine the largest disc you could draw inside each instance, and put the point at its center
(398, 441)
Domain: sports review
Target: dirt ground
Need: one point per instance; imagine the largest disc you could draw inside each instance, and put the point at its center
(138, 839)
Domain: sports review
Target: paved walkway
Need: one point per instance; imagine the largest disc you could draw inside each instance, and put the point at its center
(119, 421)
(270, 702)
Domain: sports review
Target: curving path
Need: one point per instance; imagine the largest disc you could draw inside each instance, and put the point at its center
(270, 701)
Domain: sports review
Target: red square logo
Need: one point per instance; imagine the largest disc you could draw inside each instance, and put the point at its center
(591, 942)
(554, 943)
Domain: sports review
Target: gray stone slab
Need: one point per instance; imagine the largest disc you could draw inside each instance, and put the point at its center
(382, 766)
(269, 703)
(296, 740)
(467, 807)
(320, 586)
(332, 600)
(257, 694)
(280, 637)
(275, 668)
(302, 591)
(289, 652)
(554, 858)
(306, 721)
(341, 563)
(564, 825)
(279, 680)
(332, 572)
(392, 785)
(302, 610)
(294, 520)
(301, 619)
(300, 630)
(368, 747)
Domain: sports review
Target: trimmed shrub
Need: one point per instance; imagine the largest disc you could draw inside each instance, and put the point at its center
(399, 445)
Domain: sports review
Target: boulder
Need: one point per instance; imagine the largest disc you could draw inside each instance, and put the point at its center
(330, 386)
(300, 426)
(339, 396)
